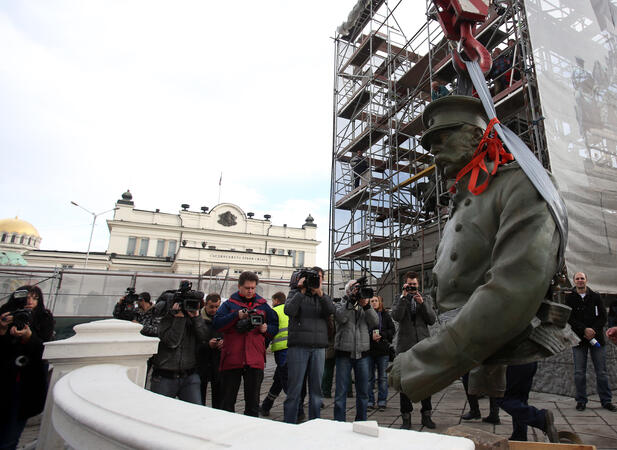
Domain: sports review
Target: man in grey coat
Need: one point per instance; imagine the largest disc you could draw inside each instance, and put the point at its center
(354, 318)
(413, 312)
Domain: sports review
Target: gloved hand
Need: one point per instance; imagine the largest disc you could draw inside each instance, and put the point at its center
(394, 374)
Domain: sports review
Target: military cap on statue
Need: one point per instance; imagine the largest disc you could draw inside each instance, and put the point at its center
(452, 111)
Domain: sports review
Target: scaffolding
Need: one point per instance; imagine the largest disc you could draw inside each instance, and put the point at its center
(387, 211)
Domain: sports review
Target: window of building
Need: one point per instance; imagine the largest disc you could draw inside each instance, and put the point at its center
(171, 249)
(299, 258)
(4, 236)
(22, 240)
(280, 251)
(130, 248)
(13, 239)
(143, 246)
(30, 241)
(160, 247)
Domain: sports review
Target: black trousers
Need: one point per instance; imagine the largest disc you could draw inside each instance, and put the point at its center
(518, 385)
(211, 376)
(407, 406)
(230, 381)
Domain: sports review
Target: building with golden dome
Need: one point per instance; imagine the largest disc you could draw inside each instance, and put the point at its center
(17, 235)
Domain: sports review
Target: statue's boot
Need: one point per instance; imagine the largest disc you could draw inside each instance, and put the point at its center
(493, 416)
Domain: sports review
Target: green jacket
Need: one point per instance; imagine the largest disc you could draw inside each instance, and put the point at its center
(494, 263)
(280, 339)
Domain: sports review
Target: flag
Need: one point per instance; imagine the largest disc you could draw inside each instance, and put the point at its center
(221, 179)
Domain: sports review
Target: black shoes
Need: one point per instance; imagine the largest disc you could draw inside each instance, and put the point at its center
(549, 427)
(492, 418)
(472, 414)
(406, 421)
(610, 407)
(580, 406)
(427, 421)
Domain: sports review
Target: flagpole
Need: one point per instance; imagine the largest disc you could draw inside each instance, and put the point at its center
(220, 181)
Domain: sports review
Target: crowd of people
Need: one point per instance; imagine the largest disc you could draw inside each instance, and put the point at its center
(313, 337)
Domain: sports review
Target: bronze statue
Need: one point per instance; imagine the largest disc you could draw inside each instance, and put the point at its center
(495, 262)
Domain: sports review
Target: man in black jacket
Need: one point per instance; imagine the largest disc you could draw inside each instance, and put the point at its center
(587, 319)
(209, 353)
(175, 364)
(308, 310)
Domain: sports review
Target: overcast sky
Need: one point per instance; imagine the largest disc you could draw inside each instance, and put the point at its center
(97, 97)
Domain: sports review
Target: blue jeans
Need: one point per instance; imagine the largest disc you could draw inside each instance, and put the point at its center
(381, 364)
(598, 357)
(344, 364)
(303, 361)
(186, 388)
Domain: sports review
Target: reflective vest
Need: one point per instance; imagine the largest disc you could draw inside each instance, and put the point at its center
(280, 340)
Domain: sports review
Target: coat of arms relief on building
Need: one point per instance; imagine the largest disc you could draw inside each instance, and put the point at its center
(227, 219)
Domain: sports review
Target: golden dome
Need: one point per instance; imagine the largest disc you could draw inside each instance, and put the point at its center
(18, 226)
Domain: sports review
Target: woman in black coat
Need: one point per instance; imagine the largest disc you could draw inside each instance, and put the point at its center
(24, 325)
(381, 340)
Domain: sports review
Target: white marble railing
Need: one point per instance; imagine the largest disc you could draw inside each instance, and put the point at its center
(97, 401)
(98, 407)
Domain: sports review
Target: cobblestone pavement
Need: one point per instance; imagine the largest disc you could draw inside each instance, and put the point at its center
(595, 425)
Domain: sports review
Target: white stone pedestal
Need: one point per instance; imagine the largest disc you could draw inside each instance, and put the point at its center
(102, 342)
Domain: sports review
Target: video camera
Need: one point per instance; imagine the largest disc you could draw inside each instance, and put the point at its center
(188, 299)
(311, 278)
(254, 319)
(129, 308)
(361, 291)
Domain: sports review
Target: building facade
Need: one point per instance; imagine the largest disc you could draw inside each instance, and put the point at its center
(223, 241)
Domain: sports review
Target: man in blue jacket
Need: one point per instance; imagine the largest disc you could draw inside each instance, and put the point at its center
(248, 325)
(308, 310)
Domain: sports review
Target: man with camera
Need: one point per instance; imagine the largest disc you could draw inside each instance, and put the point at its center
(138, 309)
(248, 324)
(181, 331)
(414, 313)
(308, 309)
(354, 318)
(209, 356)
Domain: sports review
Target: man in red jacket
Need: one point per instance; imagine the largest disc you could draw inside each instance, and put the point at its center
(247, 324)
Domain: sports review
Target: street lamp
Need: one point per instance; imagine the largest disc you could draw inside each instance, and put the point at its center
(94, 216)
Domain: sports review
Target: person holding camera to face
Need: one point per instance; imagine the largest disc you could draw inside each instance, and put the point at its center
(138, 309)
(308, 309)
(24, 325)
(414, 313)
(354, 318)
(181, 331)
(248, 325)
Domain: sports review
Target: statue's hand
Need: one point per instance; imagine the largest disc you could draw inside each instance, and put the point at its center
(394, 374)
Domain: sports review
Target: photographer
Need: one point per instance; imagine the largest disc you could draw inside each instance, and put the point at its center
(209, 353)
(182, 330)
(248, 324)
(414, 313)
(24, 325)
(354, 318)
(308, 309)
(138, 309)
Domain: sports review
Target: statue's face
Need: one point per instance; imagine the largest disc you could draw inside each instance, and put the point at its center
(454, 147)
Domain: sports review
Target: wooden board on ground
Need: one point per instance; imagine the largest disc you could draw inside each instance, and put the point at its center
(519, 445)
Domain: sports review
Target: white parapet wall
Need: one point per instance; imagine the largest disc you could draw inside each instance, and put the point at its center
(99, 407)
(101, 342)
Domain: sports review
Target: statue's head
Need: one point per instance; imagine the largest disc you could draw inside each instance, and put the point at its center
(454, 127)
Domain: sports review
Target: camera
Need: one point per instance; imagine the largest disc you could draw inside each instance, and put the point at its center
(129, 309)
(311, 278)
(361, 291)
(411, 289)
(188, 299)
(21, 318)
(254, 319)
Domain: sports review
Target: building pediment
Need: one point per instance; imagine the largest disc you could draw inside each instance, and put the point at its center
(228, 216)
